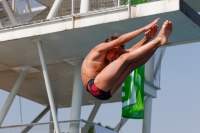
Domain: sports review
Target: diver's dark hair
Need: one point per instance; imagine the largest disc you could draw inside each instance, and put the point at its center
(111, 38)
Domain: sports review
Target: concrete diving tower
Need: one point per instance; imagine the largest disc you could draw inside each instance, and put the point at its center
(51, 50)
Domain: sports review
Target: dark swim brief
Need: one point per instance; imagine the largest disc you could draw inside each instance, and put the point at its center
(96, 92)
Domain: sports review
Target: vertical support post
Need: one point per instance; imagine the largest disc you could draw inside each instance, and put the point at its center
(73, 7)
(51, 126)
(92, 116)
(129, 9)
(9, 11)
(28, 7)
(76, 98)
(149, 75)
(119, 2)
(54, 9)
(48, 86)
(149, 72)
(14, 5)
(147, 115)
(12, 94)
(85, 6)
(37, 119)
(159, 61)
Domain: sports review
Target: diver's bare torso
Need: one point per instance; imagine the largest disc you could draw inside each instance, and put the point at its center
(93, 64)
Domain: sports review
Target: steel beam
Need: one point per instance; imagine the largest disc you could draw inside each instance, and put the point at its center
(119, 3)
(159, 61)
(48, 86)
(85, 6)
(76, 98)
(92, 116)
(149, 68)
(149, 75)
(12, 94)
(51, 126)
(36, 119)
(9, 11)
(147, 115)
(54, 9)
(73, 7)
(14, 5)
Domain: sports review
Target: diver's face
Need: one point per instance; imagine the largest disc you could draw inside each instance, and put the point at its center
(113, 54)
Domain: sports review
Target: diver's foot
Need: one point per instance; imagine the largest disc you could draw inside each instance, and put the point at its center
(164, 33)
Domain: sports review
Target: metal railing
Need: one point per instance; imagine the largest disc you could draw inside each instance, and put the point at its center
(44, 127)
(19, 12)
